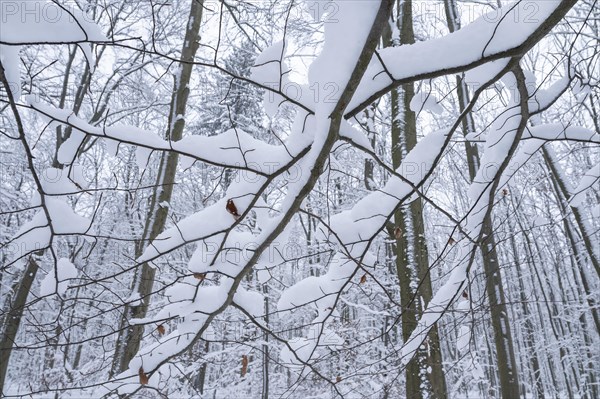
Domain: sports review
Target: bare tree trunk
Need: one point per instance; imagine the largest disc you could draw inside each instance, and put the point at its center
(369, 123)
(12, 318)
(505, 355)
(424, 374)
(130, 337)
(201, 377)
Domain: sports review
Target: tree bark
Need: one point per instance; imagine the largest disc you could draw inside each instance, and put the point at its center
(424, 374)
(12, 318)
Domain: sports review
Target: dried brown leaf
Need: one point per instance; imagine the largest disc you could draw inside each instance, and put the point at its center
(231, 208)
(143, 376)
(244, 365)
(161, 330)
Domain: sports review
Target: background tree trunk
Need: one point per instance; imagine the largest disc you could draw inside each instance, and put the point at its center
(130, 337)
(12, 318)
(424, 374)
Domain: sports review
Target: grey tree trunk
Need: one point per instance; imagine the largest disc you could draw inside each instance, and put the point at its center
(12, 318)
(424, 374)
(505, 355)
(130, 337)
(201, 377)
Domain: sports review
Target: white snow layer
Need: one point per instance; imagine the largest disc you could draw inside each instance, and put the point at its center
(489, 35)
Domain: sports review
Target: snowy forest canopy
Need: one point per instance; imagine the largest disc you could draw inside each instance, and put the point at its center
(300, 199)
